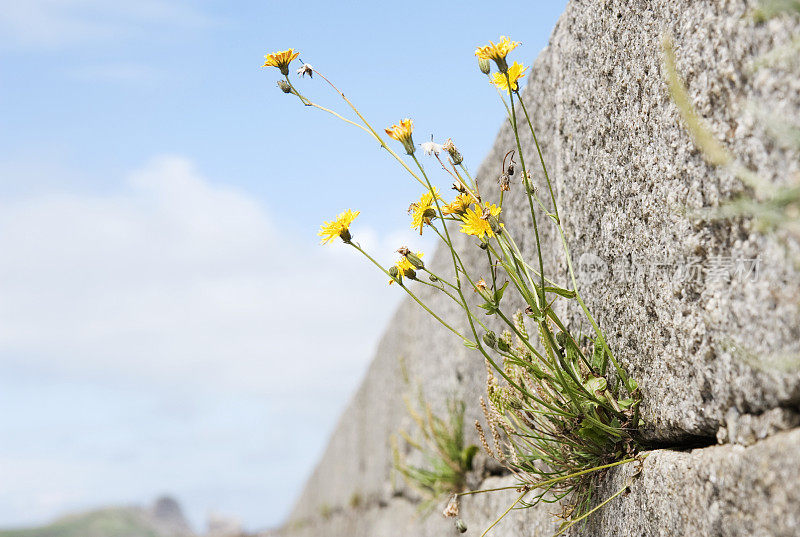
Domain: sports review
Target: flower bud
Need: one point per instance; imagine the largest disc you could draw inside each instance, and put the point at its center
(561, 339)
(415, 261)
(433, 278)
(455, 156)
(460, 526)
(484, 66)
(284, 86)
(502, 65)
(503, 345)
(394, 273)
(490, 339)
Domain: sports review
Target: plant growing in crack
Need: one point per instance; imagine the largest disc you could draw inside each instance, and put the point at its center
(440, 442)
(561, 408)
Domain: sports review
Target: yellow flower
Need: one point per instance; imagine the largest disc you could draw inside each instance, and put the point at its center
(422, 211)
(515, 72)
(458, 206)
(405, 268)
(402, 133)
(476, 220)
(339, 227)
(497, 52)
(281, 60)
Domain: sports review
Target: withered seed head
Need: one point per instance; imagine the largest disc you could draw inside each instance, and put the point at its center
(284, 86)
(504, 182)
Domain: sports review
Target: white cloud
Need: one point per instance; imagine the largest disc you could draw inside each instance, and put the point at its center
(171, 336)
(177, 280)
(59, 22)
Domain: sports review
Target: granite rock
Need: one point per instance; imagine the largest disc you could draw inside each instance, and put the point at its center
(696, 310)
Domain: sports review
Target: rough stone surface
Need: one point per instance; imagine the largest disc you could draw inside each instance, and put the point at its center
(722, 490)
(719, 490)
(700, 343)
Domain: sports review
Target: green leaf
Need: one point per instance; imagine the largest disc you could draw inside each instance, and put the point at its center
(599, 358)
(592, 433)
(566, 293)
(467, 455)
(626, 403)
(498, 295)
(490, 307)
(596, 384)
(632, 385)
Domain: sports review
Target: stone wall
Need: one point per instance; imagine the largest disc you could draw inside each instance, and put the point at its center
(625, 172)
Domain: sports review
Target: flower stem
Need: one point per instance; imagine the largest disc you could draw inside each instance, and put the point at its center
(371, 129)
(410, 293)
(510, 507)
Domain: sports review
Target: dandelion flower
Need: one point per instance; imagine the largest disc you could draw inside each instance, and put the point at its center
(497, 52)
(405, 269)
(476, 220)
(515, 73)
(339, 227)
(422, 211)
(402, 133)
(458, 206)
(281, 60)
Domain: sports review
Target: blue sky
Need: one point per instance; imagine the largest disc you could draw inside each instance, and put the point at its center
(168, 323)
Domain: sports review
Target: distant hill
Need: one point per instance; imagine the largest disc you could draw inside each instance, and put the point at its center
(163, 519)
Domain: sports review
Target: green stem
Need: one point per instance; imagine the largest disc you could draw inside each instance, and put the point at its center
(599, 506)
(597, 330)
(530, 201)
(411, 294)
(315, 105)
(371, 129)
(510, 507)
(541, 158)
(440, 214)
(456, 300)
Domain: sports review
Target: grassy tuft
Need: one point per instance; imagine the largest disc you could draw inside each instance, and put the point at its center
(440, 441)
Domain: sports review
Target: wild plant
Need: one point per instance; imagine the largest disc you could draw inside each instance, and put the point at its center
(561, 409)
(440, 443)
